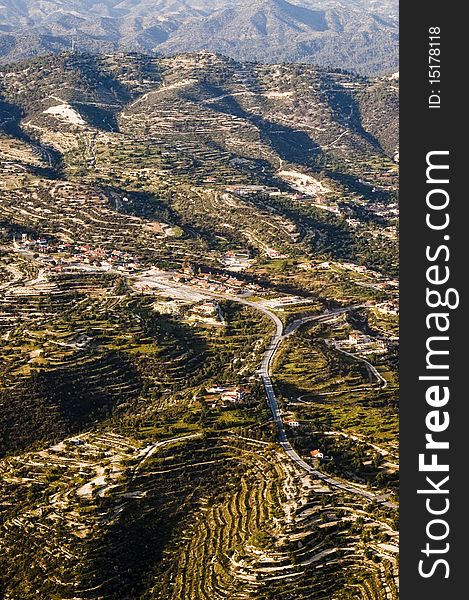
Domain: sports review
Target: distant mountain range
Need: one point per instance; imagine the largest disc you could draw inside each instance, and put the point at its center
(359, 35)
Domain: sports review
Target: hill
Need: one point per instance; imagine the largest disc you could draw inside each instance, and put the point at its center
(79, 91)
(167, 224)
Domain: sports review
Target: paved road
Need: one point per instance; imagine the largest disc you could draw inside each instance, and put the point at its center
(374, 371)
(264, 370)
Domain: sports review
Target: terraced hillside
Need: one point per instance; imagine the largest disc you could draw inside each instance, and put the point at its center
(166, 226)
(164, 132)
(160, 521)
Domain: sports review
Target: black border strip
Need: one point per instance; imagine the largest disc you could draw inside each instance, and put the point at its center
(424, 130)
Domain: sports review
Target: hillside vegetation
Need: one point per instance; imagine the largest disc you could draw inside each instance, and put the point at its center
(161, 219)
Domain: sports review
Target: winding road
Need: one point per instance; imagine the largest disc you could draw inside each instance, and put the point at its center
(372, 369)
(279, 335)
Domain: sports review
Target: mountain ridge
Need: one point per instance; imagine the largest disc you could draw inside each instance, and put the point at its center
(99, 89)
(325, 32)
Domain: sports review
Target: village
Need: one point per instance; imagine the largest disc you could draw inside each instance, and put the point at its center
(60, 256)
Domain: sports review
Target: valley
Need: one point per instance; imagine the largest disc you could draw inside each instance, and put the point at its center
(198, 329)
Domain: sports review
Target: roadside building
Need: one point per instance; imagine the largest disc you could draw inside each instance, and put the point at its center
(316, 454)
(234, 396)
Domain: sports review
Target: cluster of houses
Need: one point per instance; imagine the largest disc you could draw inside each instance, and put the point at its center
(41, 245)
(218, 282)
(67, 254)
(382, 282)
